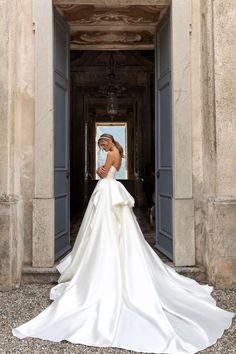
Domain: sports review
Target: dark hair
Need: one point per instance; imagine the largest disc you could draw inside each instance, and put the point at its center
(110, 137)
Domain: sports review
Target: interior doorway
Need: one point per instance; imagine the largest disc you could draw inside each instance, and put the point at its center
(132, 124)
(120, 89)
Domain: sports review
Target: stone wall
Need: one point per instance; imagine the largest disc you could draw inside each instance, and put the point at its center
(24, 115)
(214, 143)
(221, 262)
(16, 139)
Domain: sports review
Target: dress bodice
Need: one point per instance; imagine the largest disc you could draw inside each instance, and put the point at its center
(112, 172)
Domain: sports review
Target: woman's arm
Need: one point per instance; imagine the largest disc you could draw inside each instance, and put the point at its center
(103, 171)
(98, 171)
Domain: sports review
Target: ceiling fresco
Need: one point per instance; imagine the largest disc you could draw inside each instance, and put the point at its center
(124, 27)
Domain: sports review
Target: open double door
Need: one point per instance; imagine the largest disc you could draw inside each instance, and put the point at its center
(163, 140)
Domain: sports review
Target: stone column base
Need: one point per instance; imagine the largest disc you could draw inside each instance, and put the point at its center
(221, 245)
(11, 250)
(43, 232)
(183, 231)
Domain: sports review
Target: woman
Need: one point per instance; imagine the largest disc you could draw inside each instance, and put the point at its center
(114, 154)
(114, 291)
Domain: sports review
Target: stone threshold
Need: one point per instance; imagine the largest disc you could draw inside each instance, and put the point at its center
(32, 275)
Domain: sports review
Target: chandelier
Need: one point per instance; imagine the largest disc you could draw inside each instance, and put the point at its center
(112, 89)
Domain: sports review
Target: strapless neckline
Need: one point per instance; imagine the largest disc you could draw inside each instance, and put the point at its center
(112, 172)
(114, 168)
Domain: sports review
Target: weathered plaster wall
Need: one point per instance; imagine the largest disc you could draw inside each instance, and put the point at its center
(221, 249)
(197, 128)
(222, 210)
(4, 93)
(43, 203)
(10, 220)
(24, 115)
(16, 139)
(214, 144)
(225, 93)
(183, 203)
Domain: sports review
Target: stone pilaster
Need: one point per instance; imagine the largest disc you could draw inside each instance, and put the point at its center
(16, 139)
(222, 249)
(43, 203)
(10, 254)
(219, 144)
(183, 204)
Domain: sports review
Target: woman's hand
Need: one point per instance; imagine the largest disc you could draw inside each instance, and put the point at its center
(101, 172)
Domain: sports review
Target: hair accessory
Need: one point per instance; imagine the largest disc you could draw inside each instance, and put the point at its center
(104, 137)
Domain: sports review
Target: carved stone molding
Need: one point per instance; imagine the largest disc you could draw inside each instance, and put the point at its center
(91, 15)
(112, 3)
(8, 198)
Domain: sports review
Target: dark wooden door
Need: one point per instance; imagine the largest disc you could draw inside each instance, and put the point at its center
(61, 136)
(164, 233)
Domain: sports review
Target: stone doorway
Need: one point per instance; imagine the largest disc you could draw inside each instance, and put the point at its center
(184, 251)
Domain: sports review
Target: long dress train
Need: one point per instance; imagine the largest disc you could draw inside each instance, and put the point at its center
(114, 291)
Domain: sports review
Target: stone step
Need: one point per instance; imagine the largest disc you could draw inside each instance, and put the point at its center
(32, 275)
(50, 275)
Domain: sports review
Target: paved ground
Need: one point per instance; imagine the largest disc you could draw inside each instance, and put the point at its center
(18, 306)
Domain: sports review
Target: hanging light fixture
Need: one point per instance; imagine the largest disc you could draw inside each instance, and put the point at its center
(112, 104)
(111, 90)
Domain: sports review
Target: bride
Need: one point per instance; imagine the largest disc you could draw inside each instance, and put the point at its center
(114, 291)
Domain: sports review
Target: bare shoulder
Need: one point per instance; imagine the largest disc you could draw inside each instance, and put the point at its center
(114, 157)
(111, 153)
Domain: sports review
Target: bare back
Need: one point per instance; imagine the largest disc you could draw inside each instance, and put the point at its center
(116, 159)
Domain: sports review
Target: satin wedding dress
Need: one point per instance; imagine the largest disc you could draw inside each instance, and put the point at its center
(114, 291)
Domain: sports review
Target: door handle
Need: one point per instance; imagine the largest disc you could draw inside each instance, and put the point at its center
(158, 173)
(67, 174)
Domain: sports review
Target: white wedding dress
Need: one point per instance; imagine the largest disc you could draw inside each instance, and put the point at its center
(114, 291)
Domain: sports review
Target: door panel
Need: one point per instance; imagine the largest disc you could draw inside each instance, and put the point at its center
(61, 136)
(164, 234)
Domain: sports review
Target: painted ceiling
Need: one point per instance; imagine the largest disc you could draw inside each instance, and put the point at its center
(123, 27)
